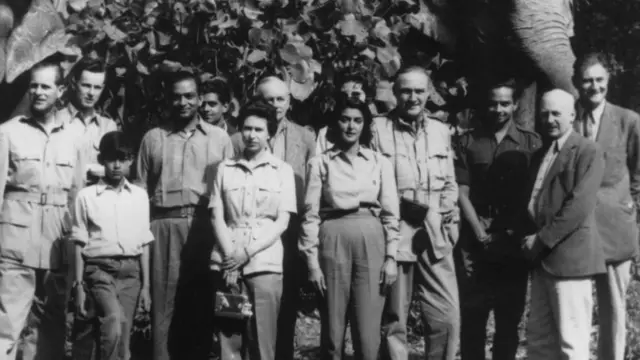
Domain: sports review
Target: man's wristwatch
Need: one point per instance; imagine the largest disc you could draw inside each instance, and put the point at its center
(389, 257)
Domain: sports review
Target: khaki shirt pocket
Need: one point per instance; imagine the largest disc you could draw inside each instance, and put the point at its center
(15, 230)
(65, 164)
(437, 164)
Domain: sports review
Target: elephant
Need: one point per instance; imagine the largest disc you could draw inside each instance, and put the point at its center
(30, 31)
(529, 40)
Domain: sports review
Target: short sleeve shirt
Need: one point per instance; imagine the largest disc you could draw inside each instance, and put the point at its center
(496, 173)
(251, 196)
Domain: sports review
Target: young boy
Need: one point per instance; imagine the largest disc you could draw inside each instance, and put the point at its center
(216, 101)
(111, 231)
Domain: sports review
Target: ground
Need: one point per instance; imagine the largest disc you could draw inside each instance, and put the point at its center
(308, 335)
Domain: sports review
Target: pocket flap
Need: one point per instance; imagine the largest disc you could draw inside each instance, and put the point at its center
(15, 216)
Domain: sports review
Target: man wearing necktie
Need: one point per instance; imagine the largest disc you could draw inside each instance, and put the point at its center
(617, 131)
(561, 239)
(295, 145)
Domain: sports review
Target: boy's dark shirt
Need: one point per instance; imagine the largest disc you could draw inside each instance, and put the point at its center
(496, 174)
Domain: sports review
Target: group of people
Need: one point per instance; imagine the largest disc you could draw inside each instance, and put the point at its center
(369, 212)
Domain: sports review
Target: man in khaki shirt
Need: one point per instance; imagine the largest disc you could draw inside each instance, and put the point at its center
(39, 176)
(175, 166)
(420, 151)
(81, 116)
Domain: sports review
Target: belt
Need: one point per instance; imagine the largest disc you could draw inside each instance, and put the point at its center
(178, 212)
(364, 209)
(58, 199)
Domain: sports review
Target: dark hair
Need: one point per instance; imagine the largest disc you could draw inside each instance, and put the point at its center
(344, 102)
(504, 83)
(115, 144)
(367, 88)
(45, 64)
(218, 87)
(90, 64)
(179, 76)
(261, 109)
(590, 59)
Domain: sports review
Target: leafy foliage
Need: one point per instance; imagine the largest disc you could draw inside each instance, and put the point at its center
(309, 43)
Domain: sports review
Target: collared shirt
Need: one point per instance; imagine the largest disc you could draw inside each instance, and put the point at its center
(496, 173)
(111, 221)
(225, 124)
(337, 182)
(252, 195)
(88, 131)
(39, 176)
(594, 117)
(177, 167)
(278, 141)
(547, 161)
(422, 158)
(322, 143)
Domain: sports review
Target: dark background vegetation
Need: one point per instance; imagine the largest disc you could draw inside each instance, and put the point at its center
(311, 44)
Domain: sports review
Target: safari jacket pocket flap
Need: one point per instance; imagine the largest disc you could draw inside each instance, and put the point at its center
(15, 216)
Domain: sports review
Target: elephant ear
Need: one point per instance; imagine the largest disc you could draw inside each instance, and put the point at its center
(7, 19)
(40, 34)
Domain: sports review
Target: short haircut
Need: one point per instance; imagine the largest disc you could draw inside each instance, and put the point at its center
(90, 64)
(411, 69)
(504, 83)
(218, 87)
(590, 59)
(179, 76)
(46, 64)
(344, 102)
(114, 145)
(261, 109)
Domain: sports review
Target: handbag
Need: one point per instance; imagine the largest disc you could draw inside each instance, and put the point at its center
(413, 212)
(232, 306)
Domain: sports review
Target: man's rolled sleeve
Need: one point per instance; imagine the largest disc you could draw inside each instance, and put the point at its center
(4, 164)
(145, 220)
(142, 163)
(460, 164)
(389, 203)
(309, 240)
(449, 196)
(79, 228)
(288, 201)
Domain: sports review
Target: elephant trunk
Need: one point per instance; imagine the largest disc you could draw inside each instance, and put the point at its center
(543, 29)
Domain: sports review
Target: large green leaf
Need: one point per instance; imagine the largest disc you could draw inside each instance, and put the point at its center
(40, 34)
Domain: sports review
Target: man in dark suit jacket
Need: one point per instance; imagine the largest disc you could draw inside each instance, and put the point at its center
(617, 131)
(563, 244)
(295, 145)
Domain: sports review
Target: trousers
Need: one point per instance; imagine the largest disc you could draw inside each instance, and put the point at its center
(559, 326)
(32, 312)
(611, 290)
(179, 267)
(436, 288)
(254, 338)
(487, 285)
(292, 279)
(351, 254)
(112, 287)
